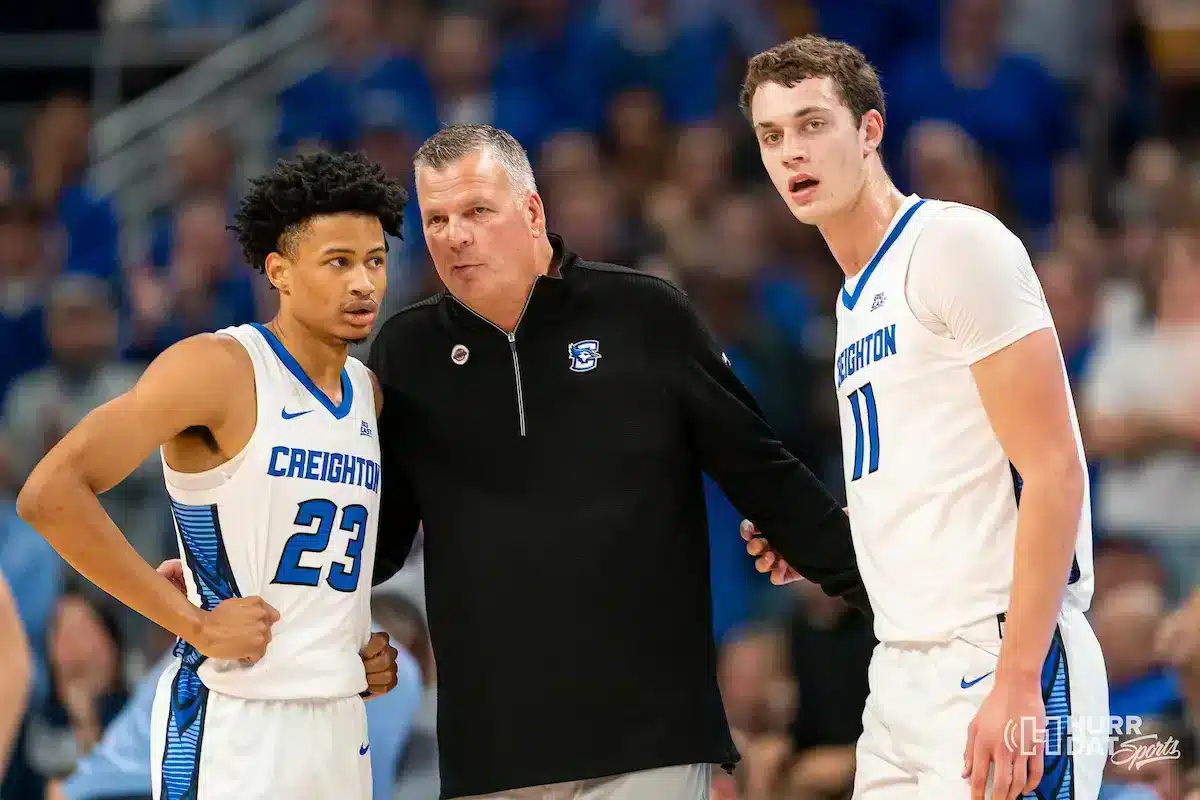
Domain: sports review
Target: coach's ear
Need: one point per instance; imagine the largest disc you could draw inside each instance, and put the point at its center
(277, 271)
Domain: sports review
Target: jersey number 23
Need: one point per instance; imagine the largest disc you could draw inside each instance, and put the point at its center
(323, 513)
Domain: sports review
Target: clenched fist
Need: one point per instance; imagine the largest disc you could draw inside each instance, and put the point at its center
(379, 661)
(237, 630)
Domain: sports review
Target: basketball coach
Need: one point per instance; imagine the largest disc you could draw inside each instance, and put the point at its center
(549, 420)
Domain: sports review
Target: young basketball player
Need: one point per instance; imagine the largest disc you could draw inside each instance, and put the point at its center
(955, 409)
(267, 438)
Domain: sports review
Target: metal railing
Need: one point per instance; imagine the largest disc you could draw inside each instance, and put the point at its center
(233, 90)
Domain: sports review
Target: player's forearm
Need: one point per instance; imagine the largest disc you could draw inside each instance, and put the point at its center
(1047, 527)
(65, 510)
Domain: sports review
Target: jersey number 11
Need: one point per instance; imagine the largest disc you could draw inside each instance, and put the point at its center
(866, 430)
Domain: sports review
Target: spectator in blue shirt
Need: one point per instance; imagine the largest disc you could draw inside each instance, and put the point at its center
(556, 44)
(1127, 619)
(23, 280)
(86, 660)
(55, 181)
(1010, 104)
(202, 290)
(680, 48)
(884, 30)
(467, 87)
(323, 108)
(202, 167)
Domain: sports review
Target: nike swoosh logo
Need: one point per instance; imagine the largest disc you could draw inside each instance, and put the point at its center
(362, 751)
(964, 683)
(286, 415)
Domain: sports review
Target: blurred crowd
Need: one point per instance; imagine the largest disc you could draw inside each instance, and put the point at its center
(1074, 121)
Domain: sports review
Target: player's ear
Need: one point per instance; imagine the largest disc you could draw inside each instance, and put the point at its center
(277, 271)
(872, 131)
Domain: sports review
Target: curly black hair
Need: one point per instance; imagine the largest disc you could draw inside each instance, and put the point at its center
(283, 200)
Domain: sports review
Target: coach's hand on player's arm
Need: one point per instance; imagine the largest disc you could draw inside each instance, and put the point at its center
(765, 559)
(379, 660)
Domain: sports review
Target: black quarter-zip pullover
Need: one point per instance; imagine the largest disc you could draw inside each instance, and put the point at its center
(558, 474)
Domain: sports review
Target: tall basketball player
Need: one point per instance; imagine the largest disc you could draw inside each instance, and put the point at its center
(268, 443)
(955, 412)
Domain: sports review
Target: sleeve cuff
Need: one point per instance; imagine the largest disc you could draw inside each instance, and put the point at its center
(1011, 336)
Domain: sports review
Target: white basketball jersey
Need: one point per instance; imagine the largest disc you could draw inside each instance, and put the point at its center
(932, 496)
(291, 519)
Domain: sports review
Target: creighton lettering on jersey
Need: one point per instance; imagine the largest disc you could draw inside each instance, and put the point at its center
(292, 519)
(930, 490)
(867, 350)
(317, 465)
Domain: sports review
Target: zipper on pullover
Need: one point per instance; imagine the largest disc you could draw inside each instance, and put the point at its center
(512, 348)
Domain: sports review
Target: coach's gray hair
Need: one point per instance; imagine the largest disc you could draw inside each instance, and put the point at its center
(458, 141)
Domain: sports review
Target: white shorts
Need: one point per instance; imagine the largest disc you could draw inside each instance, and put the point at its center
(210, 746)
(924, 696)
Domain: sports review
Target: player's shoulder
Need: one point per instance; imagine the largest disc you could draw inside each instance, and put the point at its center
(212, 370)
(208, 356)
(963, 255)
(943, 223)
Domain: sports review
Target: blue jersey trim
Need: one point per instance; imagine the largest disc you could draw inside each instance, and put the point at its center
(184, 737)
(338, 411)
(204, 555)
(1058, 775)
(849, 299)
